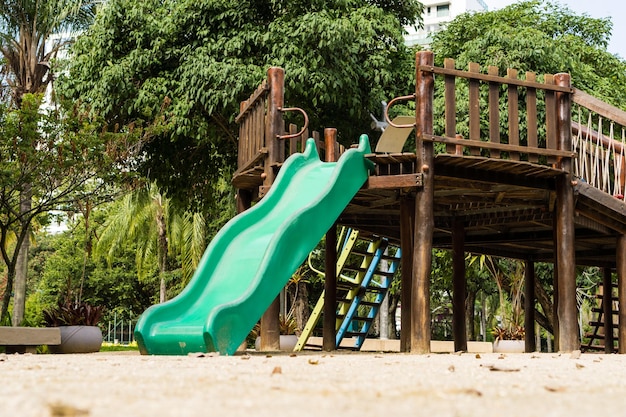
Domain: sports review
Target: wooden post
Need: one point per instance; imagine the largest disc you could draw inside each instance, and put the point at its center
(407, 211)
(621, 293)
(607, 304)
(529, 306)
(566, 255)
(274, 122)
(424, 201)
(330, 279)
(244, 200)
(459, 291)
(270, 328)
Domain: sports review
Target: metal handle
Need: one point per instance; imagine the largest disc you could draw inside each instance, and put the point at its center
(386, 112)
(306, 123)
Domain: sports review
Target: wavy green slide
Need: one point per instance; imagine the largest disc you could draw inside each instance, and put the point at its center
(253, 256)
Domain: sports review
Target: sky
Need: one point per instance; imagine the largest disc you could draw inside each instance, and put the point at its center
(615, 9)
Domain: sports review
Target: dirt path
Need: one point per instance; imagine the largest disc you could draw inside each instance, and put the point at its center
(356, 384)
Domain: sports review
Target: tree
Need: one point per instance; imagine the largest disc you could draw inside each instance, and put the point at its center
(58, 261)
(538, 36)
(148, 217)
(63, 158)
(28, 48)
(189, 64)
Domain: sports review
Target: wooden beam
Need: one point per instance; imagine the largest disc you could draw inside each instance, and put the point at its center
(459, 287)
(393, 182)
(330, 291)
(270, 329)
(499, 146)
(601, 108)
(621, 292)
(494, 78)
(424, 203)
(407, 213)
(565, 232)
(529, 306)
(607, 305)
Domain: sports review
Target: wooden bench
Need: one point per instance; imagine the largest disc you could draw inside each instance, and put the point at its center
(26, 339)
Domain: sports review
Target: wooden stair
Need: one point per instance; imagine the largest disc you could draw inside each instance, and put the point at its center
(596, 338)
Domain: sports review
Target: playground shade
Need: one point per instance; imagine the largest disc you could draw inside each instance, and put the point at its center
(253, 256)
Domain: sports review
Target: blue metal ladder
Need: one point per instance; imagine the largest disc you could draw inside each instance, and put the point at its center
(367, 297)
(361, 290)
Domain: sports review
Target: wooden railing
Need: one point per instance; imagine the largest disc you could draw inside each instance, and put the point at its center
(599, 138)
(265, 143)
(518, 117)
(472, 123)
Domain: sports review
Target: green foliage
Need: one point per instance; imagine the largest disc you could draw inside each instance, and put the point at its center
(538, 36)
(116, 288)
(57, 157)
(71, 313)
(184, 66)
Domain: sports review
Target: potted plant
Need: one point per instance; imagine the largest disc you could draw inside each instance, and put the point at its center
(288, 338)
(509, 339)
(78, 323)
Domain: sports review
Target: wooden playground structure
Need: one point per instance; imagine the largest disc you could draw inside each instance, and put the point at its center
(516, 185)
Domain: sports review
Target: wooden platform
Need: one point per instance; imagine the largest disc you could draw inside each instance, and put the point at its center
(507, 208)
(26, 339)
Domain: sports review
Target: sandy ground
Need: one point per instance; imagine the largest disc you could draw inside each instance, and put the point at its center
(313, 384)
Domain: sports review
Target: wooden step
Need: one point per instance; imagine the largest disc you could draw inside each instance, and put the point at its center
(600, 324)
(600, 310)
(364, 270)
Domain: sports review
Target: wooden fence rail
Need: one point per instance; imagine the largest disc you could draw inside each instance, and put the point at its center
(599, 142)
(466, 92)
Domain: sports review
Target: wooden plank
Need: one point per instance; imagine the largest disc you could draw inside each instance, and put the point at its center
(474, 107)
(500, 146)
(492, 78)
(531, 116)
(607, 305)
(254, 161)
(450, 104)
(29, 336)
(565, 266)
(513, 108)
(407, 223)
(459, 287)
(563, 121)
(249, 104)
(424, 217)
(621, 291)
(529, 306)
(293, 142)
(494, 110)
(599, 107)
(330, 291)
(551, 134)
(404, 181)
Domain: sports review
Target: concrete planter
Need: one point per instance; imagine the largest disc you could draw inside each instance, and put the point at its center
(509, 346)
(78, 339)
(287, 342)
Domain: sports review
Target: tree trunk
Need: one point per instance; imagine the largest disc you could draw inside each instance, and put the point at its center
(301, 305)
(470, 312)
(21, 269)
(546, 306)
(394, 299)
(6, 297)
(162, 230)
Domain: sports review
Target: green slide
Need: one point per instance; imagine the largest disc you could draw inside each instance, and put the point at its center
(253, 256)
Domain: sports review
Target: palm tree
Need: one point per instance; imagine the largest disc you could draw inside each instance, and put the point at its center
(148, 217)
(32, 33)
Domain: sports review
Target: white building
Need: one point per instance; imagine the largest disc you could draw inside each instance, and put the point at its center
(436, 13)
